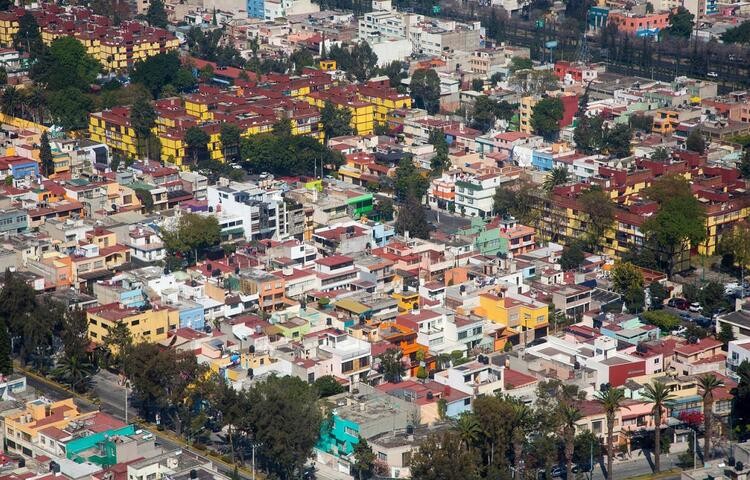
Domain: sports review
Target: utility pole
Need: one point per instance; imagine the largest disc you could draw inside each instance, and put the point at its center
(127, 387)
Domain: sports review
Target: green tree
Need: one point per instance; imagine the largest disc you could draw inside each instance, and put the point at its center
(477, 84)
(75, 372)
(660, 318)
(611, 400)
(521, 201)
(3, 76)
(708, 384)
(658, 293)
(196, 141)
(738, 34)
(661, 154)
(737, 243)
(287, 155)
(600, 212)
(327, 386)
(425, 89)
(391, 365)
(383, 210)
(69, 108)
(74, 333)
(441, 457)
(641, 122)
(64, 65)
(300, 59)
(336, 121)
(192, 234)
(588, 134)
(364, 459)
(625, 276)
(740, 414)
(440, 161)
(156, 15)
(572, 257)
(395, 73)
(556, 176)
(486, 111)
(520, 63)
(119, 342)
(230, 142)
(468, 429)
(28, 38)
(533, 82)
(365, 62)
(679, 223)
(658, 394)
(143, 119)
(158, 71)
(45, 156)
(6, 363)
(570, 415)
(409, 181)
(546, 116)
(726, 333)
(695, 142)
(617, 141)
(680, 23)
(146, 199)
(287, 442)
(411, 218)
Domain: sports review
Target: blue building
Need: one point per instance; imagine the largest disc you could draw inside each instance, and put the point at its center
(597, 18)
(542, 160)
(382, 234)
(192, 315)
(255, 8)
(19, 167)
(13, 221)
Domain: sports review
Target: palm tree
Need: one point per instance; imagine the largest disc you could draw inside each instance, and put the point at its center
(522, 415)
(11, 100)
(468, 429)
(74, 372)
(569, 416)
(556, 176)
(707, 384)
(660, 395)
(611, 400)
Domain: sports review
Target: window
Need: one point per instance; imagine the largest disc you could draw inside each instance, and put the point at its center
(351, 431)
(147, 333)
(596, 427)
(92, 322)
(347, 366)
(382, 456)
(135, 323)
(467, 401)
(463, 335)
(160, 330)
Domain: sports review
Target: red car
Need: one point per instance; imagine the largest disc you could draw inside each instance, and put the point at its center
(680, 303)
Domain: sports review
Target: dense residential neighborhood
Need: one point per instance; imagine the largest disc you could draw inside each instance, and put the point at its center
(353, 239)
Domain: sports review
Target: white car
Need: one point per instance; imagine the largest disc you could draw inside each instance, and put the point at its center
(695, 307)
(712, 74)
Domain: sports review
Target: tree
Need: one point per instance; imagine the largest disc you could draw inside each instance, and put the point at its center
(708, 384)
(118, 342)
(468, 429)
(572, 257)
(441, 457)
(74, 333)
(28, 38)
(143, 119)
(196, 142)
(662, 319)
(726, 334)
(287, 155)
(486, 111)
(146, 199)
(391, 365)
(336, 121)
(230, 141)
(641, 122)
(6, 363)
(45, 156)
(395, 73)
(658, 293)
(409, 181)
(520, 63)
(680, 23)
(738, 34)
(300, 59)
(600, 212)
(737, 243)
(477, 84)
(158, 71)
(287, 442)
(365, 62)
(616, 141)
(440, 161)
(192, 234)
(66, 64)
(69, 108)
(660, 154)
(660, 396)
(556, 176)
(383, 210)
(75, 372)
(533, 82)
(695, 142)
(546, 116)
(327, 386)
(680, 221)
(570, 415)
(425, 89)
(611, 401)
(411, 219)
(520, 201)
(364, 459)
(156, 16)
(740, 415)
(626, 277)
(588, 134)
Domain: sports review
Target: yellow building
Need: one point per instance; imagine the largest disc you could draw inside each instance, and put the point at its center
(363, 113)
(150, 325)
(525, 109)
(327, 65)
(384, 102)
(518, 312)
(407, 301)
(112, 127)
(8, 28)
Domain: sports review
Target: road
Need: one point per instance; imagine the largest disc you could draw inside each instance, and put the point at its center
(112, 401)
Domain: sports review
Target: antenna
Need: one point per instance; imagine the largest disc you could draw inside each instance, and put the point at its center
(582, 54)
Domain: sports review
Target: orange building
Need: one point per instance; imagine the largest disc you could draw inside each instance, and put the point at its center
(269, 288)
(636, 24)
(405, 339)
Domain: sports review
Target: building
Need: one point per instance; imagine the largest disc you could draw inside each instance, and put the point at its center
(151, 324)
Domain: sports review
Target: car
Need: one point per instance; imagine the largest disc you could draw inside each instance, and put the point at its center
(712, 74)
(558, 471)
(685, 316)
(695, 307)
(680, 331)
(679, 303)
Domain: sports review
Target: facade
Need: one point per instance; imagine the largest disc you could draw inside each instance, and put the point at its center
(146, 325)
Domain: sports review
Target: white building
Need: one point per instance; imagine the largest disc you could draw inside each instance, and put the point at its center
(145, 244)
(273, 9)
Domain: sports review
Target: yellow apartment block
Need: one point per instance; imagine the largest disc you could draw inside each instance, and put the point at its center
(151, 325)
(526, 313)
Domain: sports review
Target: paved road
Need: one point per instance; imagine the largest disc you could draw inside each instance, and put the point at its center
(112, 401)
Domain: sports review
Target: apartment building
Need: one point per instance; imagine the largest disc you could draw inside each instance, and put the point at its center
(146, 325)
(474, 193)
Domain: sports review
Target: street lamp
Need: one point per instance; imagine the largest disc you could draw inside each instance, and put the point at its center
(254, 446)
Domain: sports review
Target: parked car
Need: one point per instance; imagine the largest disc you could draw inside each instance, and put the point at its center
(558, 471)
(685, 316)
(679, 303)
(695, 307)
